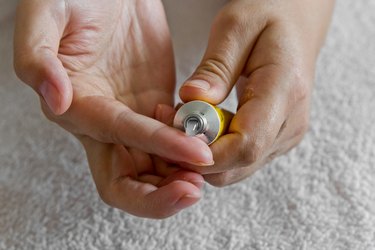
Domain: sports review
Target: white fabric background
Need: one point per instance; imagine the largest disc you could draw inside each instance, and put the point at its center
(319, 196)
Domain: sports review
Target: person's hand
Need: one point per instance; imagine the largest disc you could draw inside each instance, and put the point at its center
(101, 68)
(269, 48)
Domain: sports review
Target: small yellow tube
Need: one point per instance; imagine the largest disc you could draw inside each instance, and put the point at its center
(201, 119)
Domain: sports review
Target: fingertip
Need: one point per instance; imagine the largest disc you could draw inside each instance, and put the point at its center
(44, 72)
(213, 91)
(198, 152)
(172, 198)
(66, 98)
(194, 90)
(58, 99)
(190, 194)
(198, 84)
(51, 96)
(165, 113)
(178, 147)
(194, 178)
(183, 175)
(157, 112)
(187, 201)
(59, 84)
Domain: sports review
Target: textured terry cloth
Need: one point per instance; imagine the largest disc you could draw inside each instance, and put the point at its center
(320, 196)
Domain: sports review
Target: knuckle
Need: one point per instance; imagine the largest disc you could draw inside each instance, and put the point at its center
(230, 177)
(302, 129)
(273, 155)
(115, 128)
(238, 22)
(159, 215)
(299, 86)
(282, 128)
(230, 18)
(105, 196)
(252, 151)
(219, 180)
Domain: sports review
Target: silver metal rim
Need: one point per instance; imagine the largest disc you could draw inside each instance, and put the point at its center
(202, 109)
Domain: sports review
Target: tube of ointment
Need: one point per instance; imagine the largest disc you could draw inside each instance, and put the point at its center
(201, 119)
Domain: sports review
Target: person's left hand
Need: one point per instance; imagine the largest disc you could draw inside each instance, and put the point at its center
(269, 49)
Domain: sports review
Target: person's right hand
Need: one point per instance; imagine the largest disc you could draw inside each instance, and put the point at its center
(101, 68)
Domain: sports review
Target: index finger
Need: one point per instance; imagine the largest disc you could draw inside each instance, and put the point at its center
(110, 121)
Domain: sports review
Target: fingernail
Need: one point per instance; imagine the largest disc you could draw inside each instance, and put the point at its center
(202, 164)
(198, 184)
(50, 95)
(198, 84)
(205, 159)
(158, 111)
(188, 200)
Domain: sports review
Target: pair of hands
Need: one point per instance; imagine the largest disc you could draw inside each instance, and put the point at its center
(105, 72)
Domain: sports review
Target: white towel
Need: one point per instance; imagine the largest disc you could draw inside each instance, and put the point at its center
(319, 196)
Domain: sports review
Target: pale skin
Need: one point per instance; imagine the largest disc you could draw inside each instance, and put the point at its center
(105, 72)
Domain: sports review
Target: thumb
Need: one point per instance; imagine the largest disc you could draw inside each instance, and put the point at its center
(39, 25)
(228, 49)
